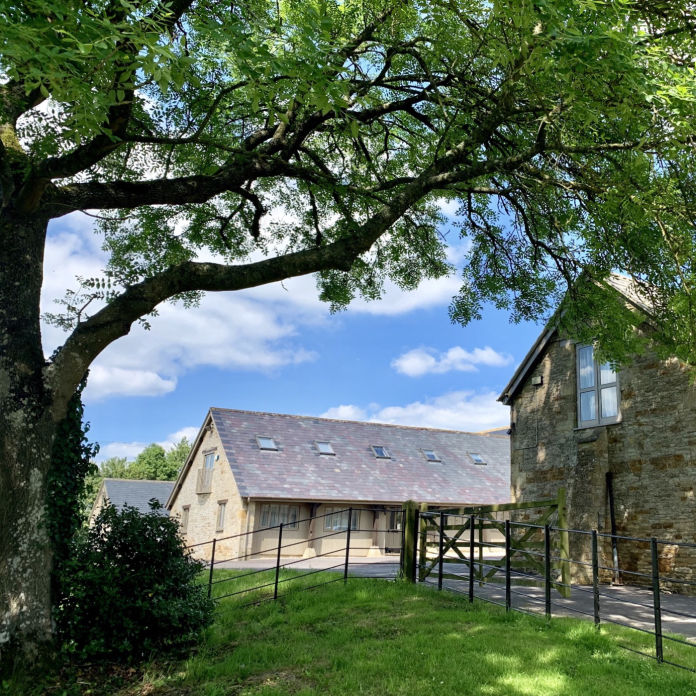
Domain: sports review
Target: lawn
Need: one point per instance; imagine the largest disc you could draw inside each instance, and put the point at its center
(376, 637)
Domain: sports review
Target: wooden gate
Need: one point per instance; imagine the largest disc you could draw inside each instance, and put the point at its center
(527, 552)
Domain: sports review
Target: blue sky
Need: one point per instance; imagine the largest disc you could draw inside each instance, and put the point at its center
(277, 348)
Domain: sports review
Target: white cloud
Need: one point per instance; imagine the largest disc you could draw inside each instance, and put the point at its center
(422, 361)
(117, 381)
(457, 410)
(346, 412)
(257, 329)
(131, 450)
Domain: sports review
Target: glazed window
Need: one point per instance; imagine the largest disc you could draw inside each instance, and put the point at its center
(324, 447)
(337, 519)
(381, 452)
(431, 455)
(477, 458)
(598, 390)
(184, 518)
(210, 460)
(266, 443)
(273, 515)
(222, 506)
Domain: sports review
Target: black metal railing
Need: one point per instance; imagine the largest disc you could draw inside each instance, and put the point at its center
(271, 577)
(640, 597)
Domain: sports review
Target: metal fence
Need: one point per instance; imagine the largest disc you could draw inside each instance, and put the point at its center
(601, 593)
(266, 589)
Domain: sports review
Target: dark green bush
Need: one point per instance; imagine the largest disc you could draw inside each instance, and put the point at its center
(130, 588)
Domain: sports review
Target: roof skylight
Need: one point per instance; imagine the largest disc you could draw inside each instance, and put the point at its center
(324, 447)
(477, 458)
(266, 443)
(381, 452)
(430, 455)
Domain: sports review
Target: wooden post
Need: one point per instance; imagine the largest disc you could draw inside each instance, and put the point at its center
(423, 544)
(564, 537)
(408, 565)
(440, 551)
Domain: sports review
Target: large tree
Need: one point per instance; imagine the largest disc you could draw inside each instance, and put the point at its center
(564, 130)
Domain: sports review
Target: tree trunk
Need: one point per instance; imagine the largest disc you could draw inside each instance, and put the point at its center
(27, 426)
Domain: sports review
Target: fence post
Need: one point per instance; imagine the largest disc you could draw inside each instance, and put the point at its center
(423, 542)
(547, 570)
(212, 563)
(277, 573)
(416, 534)
(565, 543)
(656, 600)
(480, 549)
(408, 566)
(595, 576)
(350, 520)
(472, 532)
(508, 594)
(441, 552)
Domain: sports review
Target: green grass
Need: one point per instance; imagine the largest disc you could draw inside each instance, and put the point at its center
(376, 637)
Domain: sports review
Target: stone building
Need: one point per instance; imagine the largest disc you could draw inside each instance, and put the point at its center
(627, 438)
(248, 471)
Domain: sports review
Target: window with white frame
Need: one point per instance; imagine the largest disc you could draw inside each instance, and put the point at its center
(184, 518)
(222, 506)
(598, 390)
(324, 447)
(266, 443)
(381, 452)
(336, 519)
(273, 515)
(210, 460)
(430, 455)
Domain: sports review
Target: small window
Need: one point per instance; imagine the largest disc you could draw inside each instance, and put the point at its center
(273, 515)
(598, 390)
(210, 460)
(477, 458)
(222, 505)
(431, 455)
(336, 519)
(381, 452)
(184, 518)
(266, 443)
(324, 447)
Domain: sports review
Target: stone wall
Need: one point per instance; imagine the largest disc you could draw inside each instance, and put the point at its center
(651, 454)
(203, 507)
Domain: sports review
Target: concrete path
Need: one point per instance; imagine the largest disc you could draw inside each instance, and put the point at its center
(626, 605)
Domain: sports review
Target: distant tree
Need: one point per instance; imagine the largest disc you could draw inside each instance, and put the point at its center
(114, 467)
(176, 457)
(151, 464)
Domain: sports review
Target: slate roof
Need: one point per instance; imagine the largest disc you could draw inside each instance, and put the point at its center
(297, 471)
(137, 493)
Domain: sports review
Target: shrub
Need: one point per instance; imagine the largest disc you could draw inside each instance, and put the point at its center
(130, 588)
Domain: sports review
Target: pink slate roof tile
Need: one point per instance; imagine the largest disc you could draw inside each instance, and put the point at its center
(297, 471)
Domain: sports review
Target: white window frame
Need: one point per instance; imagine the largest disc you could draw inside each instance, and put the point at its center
(336, 520)
(222, 508)
(474, 455)
(262, 447)
(386, 455)
(273, 514)
(209, 460)
(434, 458)
(328, 447)
(597, 388)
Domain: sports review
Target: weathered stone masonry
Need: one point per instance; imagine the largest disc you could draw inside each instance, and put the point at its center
(651, 454)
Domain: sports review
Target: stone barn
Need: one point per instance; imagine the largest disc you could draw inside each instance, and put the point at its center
(624, 439)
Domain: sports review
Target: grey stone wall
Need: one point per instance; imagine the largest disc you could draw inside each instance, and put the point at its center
(651, 454)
